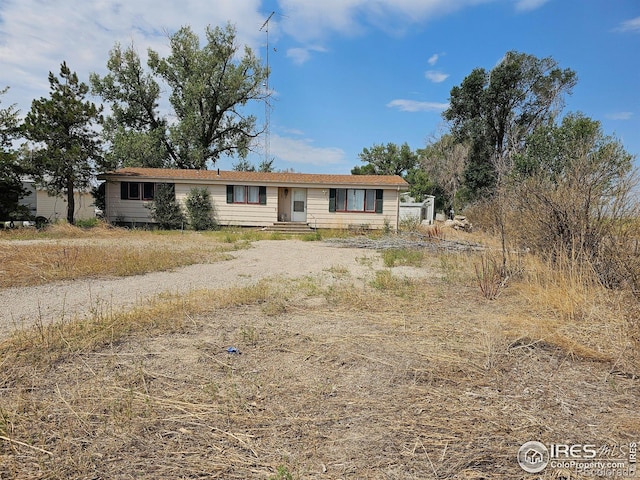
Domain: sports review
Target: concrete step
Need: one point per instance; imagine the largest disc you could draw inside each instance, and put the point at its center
(289, 227)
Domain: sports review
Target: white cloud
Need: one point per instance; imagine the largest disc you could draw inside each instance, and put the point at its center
(415, 106)
(433, 59)
(312, 20)
(528, 5)
(302, 151)
(301, 55)
(619, 115)
(632, 25)
(435, 76)
(36, 36)
(293, 131)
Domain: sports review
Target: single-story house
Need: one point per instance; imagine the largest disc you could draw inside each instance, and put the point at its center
(260, 199)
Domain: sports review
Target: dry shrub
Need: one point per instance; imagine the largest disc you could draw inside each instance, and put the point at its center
(489, 276)
(482, 214)
(435, 230)
(618, 262)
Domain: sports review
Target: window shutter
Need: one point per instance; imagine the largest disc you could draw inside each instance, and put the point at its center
(379, 200)
(263, 195)
(124, 190)
(332, 199)
(229, 193)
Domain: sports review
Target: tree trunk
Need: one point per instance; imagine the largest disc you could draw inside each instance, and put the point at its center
(71, 203)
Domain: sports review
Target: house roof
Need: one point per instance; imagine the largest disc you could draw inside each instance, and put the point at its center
(231, 176)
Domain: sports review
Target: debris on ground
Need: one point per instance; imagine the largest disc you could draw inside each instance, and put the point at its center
(459, 222)
(405, 240)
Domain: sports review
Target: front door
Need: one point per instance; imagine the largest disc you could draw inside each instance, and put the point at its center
(299, 205)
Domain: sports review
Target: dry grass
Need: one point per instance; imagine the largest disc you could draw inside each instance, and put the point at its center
(94, 253)
(397, 379)
(563, 305)
(62, 230)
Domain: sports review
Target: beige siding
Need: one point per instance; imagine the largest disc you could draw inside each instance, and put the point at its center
(30, 200)
(318, 213)
(135, 211)
(246, 215)
(129, 211)
(55, 208)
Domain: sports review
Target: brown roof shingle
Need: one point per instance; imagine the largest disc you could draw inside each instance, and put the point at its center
(216, 176)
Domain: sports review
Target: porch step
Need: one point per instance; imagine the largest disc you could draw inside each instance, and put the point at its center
(289, 227)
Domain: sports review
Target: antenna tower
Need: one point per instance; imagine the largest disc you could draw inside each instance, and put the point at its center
(267, 105)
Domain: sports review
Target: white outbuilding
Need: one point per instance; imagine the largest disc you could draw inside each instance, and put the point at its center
(418, 211)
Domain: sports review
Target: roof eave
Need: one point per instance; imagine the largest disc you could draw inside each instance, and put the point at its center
(222, 179)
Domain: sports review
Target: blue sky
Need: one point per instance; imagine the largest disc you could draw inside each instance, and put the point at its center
(347, 74)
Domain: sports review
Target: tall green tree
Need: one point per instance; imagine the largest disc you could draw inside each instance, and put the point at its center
(11, 189)
(135, 132)
(266, 166)
(421, 185)
(494, 112)
(389, 159)
(209, 85)
(66, 142)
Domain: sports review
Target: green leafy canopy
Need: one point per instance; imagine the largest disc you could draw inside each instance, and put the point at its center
(208, 84)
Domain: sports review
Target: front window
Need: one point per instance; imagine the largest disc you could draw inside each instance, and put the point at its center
(137, 190)
(248, 194)
(370, 205)
(355, 200)
(134, 191)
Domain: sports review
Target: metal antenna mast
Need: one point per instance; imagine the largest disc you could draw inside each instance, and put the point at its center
(267, 106)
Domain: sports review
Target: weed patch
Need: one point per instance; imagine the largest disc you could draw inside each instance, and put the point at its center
(402, 256)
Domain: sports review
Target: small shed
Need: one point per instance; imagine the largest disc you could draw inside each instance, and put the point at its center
(421, 211)
(41, 204)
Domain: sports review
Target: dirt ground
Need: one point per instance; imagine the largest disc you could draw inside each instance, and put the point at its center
(341, 372)
(22, 307)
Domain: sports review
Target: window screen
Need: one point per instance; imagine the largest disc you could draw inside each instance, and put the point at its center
(370, 206)
(238, 194)
(355, 200)
(253, 194)
(341, 200)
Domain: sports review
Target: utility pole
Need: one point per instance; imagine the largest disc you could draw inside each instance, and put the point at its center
(267, 105)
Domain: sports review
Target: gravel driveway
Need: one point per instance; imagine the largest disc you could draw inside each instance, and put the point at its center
(21, 307)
